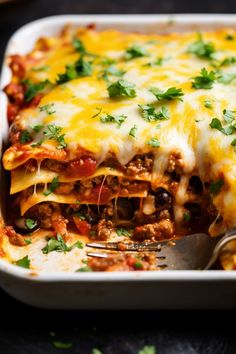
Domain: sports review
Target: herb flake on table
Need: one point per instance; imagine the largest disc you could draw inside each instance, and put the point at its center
(147, 349)
(62, 345)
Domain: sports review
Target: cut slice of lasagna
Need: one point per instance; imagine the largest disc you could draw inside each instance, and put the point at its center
(123, 132)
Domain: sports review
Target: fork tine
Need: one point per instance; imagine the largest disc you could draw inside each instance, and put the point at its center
(126, 246)
(97, 254)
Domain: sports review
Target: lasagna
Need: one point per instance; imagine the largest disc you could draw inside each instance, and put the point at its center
(122, 136)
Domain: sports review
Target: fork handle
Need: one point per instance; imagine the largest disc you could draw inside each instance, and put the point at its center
(228, 237)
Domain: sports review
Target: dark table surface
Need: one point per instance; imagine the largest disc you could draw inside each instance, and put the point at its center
(27, 330)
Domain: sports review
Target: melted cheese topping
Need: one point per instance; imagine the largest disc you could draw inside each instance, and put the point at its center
(205, 151)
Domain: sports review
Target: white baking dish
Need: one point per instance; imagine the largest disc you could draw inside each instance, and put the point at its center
(166, 289)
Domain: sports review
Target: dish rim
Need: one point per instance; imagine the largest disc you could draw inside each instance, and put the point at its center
(163, 276)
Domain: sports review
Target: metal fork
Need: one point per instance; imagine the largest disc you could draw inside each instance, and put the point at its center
(193, 252)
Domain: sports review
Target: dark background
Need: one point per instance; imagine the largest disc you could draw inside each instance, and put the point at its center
(26, 330)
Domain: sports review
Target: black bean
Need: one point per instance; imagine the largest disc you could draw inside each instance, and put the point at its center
(163, 199)
(125, 209)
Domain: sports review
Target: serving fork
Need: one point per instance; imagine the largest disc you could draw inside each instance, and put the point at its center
(193, 252)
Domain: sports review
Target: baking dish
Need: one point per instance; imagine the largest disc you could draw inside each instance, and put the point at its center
(177, 289)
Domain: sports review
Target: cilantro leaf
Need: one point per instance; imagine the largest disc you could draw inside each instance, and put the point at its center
(147, 349)
(58, 244)
(25, 137)
(111, 70)
(24, 262)
(53, 131)
(205, 80)
(216, 124)
(48, 108)
(202, 49)
(78, 45)
(80, 68)
(158, 62)
(150, 114)
(227, 61)
(154, 142)
(233, 143)
(119, 119)
(62, 345)
(54, 184)
(32, 89)
(84, 269)
(226, 78)
(208, 103)
(171, 93)
(216, 186)
(37, 127)
(122, 88)
(136, 51)
(133, 131)
(123, 232)
(28, 241)
(30, 223)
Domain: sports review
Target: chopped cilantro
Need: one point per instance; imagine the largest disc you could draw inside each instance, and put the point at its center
(28, 241)
(25, 137)
(202, 49)
(111, 70)
(227, 61)
(186, 216)
(40, 68)
(52, 131)
(48, 108)
(54, 184)
(226, 78)
(30, 223)
(150, 114)
(119, 119)
(138, 265)
(136, 51)
(171, 93)
(80, 68)
(158, 62)
(228, 115)
(58, 244)
(99, 109)
(205, 80)
(216, 186)
(85, 269)
(208, 103)
(78, 45)
(107, 61)
(154, 142)
(147, 349)
(123, 232)
(216, 124)
(96, 351)
(23, 262)
(133, 131)
(32, 89)
(62, 345)
(37, 127)
(122, 88)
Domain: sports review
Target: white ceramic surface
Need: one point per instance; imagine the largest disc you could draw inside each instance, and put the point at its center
(166, 289)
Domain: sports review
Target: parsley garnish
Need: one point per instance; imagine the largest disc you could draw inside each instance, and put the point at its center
(58, 244)
(23, 262)
(216, 124)
(62, 345)
(99, 109)
(37, 127)
(136, 51)
(202, 49)
(123, 232)
(28, 241)
(138, 265)
(80, 68)
(119, 119)
(148, 349)
(208, 103)
(30, 223)
(171, 93)
(205, 80)
(215, 187)
(54, 184)
(54, 132)
(107, 61)
(154, 142)
(25, 137)
(227, 61)
(151, 115)
(158, 62)
(233, 143)
(32, 89)
(48, 108)
(111, 70)
(122, 88)
(133, 131)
